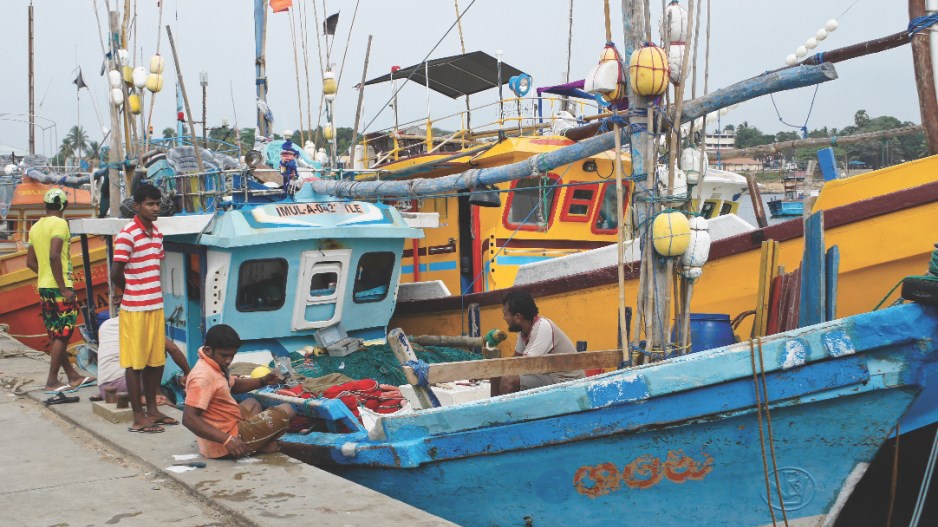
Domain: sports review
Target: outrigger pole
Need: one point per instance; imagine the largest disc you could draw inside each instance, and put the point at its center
(772, 82)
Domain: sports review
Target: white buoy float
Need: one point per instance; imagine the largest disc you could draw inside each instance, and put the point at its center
(698, 249)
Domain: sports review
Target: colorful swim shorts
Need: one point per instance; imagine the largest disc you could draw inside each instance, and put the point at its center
(60, 316)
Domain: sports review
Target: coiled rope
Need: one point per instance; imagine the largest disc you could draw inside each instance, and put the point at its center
(932, 276)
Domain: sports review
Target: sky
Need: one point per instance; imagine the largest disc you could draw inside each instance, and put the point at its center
(217, 36)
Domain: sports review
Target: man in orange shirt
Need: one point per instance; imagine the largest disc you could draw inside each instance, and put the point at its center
(224, 427)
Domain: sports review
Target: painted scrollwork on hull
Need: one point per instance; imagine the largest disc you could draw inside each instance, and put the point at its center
(644, 472)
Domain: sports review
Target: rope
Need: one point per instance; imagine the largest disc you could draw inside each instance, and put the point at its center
(926, 482)
(921, 23)
(768, 420)
(894, 482)
(765, 465)
(401, 86)
(932, 276)
(421, 369)
(804, 127)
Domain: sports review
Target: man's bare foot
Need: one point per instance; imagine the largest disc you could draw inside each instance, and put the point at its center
(80, 381)
(58, 387)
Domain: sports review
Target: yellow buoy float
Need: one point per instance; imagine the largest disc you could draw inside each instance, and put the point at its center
(154, 82)
(649, 71)
(671, 233)
(259, 372)
(133, 100)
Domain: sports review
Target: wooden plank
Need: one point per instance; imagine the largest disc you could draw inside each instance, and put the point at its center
(791, 314)
(775, 305)
(760, 314)
(832, 262)
(404, 353)
(811, 305)
(489, 368)
(768, 269)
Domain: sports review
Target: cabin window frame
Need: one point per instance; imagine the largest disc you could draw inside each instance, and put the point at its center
(311, 264)
(241, 285)
(594, 218)
(391, 267)
(536, 227)
(569, 201)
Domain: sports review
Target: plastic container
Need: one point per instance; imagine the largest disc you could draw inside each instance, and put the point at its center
(710, 330)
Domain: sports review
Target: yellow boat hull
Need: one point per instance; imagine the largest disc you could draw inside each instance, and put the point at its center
(883, 223)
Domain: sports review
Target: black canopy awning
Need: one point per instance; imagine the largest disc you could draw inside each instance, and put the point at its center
(457, 75)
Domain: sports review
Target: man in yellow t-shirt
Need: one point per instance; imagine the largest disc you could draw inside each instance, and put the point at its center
(48, 256)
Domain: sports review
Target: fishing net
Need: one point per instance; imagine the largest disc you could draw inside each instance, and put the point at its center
(375, 362)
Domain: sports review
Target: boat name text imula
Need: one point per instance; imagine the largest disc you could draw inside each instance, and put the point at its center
(644, 472)
(319, 208)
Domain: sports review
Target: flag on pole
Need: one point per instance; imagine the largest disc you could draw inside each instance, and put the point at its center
(79, 81)
(279, 6)
(328, 26)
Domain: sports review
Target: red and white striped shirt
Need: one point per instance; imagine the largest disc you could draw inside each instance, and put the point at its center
(142, 253)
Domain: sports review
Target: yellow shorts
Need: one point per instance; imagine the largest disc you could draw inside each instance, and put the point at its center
(142, 339)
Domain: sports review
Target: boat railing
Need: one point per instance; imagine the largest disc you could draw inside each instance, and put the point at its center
(513, 117)
(211, 143)
(205, 192)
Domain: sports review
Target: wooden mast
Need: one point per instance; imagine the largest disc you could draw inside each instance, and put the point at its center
(115, 154)
(925, 78)
(633, 26)
(32, 87)
(260, 44)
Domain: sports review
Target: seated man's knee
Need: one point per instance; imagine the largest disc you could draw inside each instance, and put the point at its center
(288, 409)
(251, 405)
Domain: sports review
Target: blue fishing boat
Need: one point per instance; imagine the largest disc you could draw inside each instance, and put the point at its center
(746, 434)
(287, 271)
(791, 204)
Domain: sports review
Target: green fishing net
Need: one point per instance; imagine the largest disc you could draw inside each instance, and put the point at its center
(375, 362)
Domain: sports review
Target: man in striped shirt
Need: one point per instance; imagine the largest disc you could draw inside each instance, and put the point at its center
(138, 249)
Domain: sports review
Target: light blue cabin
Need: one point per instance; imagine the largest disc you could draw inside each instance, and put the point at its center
(308, 270)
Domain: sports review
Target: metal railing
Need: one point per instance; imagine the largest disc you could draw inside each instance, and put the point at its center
(519, 116)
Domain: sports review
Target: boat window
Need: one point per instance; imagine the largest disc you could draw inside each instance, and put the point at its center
(605, 222)
(578, 204)
(262, 285)
(323, 284)
(708, 207)
(373, 277)
(531, 203)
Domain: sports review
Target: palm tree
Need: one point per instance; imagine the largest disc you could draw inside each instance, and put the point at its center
(93, 151)
(77, 138)
(75, 142)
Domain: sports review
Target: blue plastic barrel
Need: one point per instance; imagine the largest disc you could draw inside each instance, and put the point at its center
(710, 330)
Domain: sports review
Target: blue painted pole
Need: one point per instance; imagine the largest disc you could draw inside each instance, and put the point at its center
(828, 164)
(786, 79)
(831, 268)
(813, 305)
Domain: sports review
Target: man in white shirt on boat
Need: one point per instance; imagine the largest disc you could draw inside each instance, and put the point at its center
(536, 336)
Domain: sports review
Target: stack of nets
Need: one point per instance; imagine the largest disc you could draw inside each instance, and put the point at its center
(375, 362)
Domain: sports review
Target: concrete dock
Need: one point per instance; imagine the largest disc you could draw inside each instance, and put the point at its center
(63, 465)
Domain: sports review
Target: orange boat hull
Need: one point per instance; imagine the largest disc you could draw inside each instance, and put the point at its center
(19, 295)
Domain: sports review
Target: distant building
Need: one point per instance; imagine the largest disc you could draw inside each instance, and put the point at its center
(720, 141)
(737, 164)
